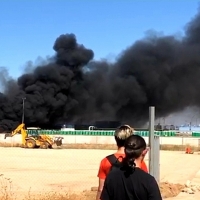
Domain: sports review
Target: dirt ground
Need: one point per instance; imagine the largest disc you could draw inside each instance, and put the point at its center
(34, 171)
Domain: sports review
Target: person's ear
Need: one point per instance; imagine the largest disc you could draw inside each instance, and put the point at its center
(144, 152)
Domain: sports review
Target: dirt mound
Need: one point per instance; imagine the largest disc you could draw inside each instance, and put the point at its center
(167, 190)
(170, 189)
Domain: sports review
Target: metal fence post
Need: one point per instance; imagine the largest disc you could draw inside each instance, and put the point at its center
(151, 140)
(157, 158)
(154, 143)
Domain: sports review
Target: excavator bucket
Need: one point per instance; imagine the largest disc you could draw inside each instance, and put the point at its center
(58, 141)
(7, 135)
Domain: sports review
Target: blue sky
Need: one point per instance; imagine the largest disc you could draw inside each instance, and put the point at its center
(29, 28)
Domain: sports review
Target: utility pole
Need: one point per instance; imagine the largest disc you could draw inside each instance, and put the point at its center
(23, 99)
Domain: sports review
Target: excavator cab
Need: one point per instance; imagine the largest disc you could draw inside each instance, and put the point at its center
(33, 132)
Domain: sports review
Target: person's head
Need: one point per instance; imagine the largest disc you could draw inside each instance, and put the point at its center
(135, 149)
(122, 133)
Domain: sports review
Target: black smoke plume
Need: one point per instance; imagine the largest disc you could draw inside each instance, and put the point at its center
(163, 71)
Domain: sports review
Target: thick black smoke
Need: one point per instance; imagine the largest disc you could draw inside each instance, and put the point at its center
(72, 87)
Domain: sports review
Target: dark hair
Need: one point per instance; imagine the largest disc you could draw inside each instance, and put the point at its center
(122, 133)
(134, 146)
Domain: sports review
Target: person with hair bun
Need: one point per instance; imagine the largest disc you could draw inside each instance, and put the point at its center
(130, 182)
(121, 134)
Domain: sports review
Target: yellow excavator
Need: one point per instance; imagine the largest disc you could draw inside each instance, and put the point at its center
(35, 140)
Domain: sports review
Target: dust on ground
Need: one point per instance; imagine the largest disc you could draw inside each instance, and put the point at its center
(44, 170)
(167, 147)
(167, 190)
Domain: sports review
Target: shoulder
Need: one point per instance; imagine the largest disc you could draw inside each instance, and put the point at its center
(104, 162)
(112, 158)
(145, 176)
(103, 168)
(105, 165)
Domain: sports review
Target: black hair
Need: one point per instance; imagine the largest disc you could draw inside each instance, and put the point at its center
(134, 146)
(119, 142)
(122, 133)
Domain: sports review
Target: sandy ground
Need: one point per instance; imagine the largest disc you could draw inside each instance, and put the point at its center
(76, 170)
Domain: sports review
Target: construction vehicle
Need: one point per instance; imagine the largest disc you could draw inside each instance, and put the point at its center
(35, 140)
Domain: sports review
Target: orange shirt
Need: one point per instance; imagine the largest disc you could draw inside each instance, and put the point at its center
(105, 166)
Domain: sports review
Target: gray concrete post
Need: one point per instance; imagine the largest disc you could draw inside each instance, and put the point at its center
(154, 144)
(151, 139)
(156, 158)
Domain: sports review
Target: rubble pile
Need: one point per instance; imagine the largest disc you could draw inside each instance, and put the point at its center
(170, 189)
(190, 188)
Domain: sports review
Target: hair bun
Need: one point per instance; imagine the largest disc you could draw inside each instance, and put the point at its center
(131, 145)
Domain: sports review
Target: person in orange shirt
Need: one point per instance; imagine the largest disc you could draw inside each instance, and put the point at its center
(121, 134)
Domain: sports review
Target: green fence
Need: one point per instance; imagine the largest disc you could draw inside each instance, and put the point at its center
(106, 133)
(196, 134)
(102, 133)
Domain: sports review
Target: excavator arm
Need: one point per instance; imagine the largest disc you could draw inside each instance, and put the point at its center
(19, 129)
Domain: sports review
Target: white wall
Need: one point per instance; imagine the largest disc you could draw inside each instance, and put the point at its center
(81, 139)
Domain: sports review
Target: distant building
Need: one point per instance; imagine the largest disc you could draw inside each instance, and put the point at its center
(97, 125)
(107, 124)
(183, 128)
(160, 127)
